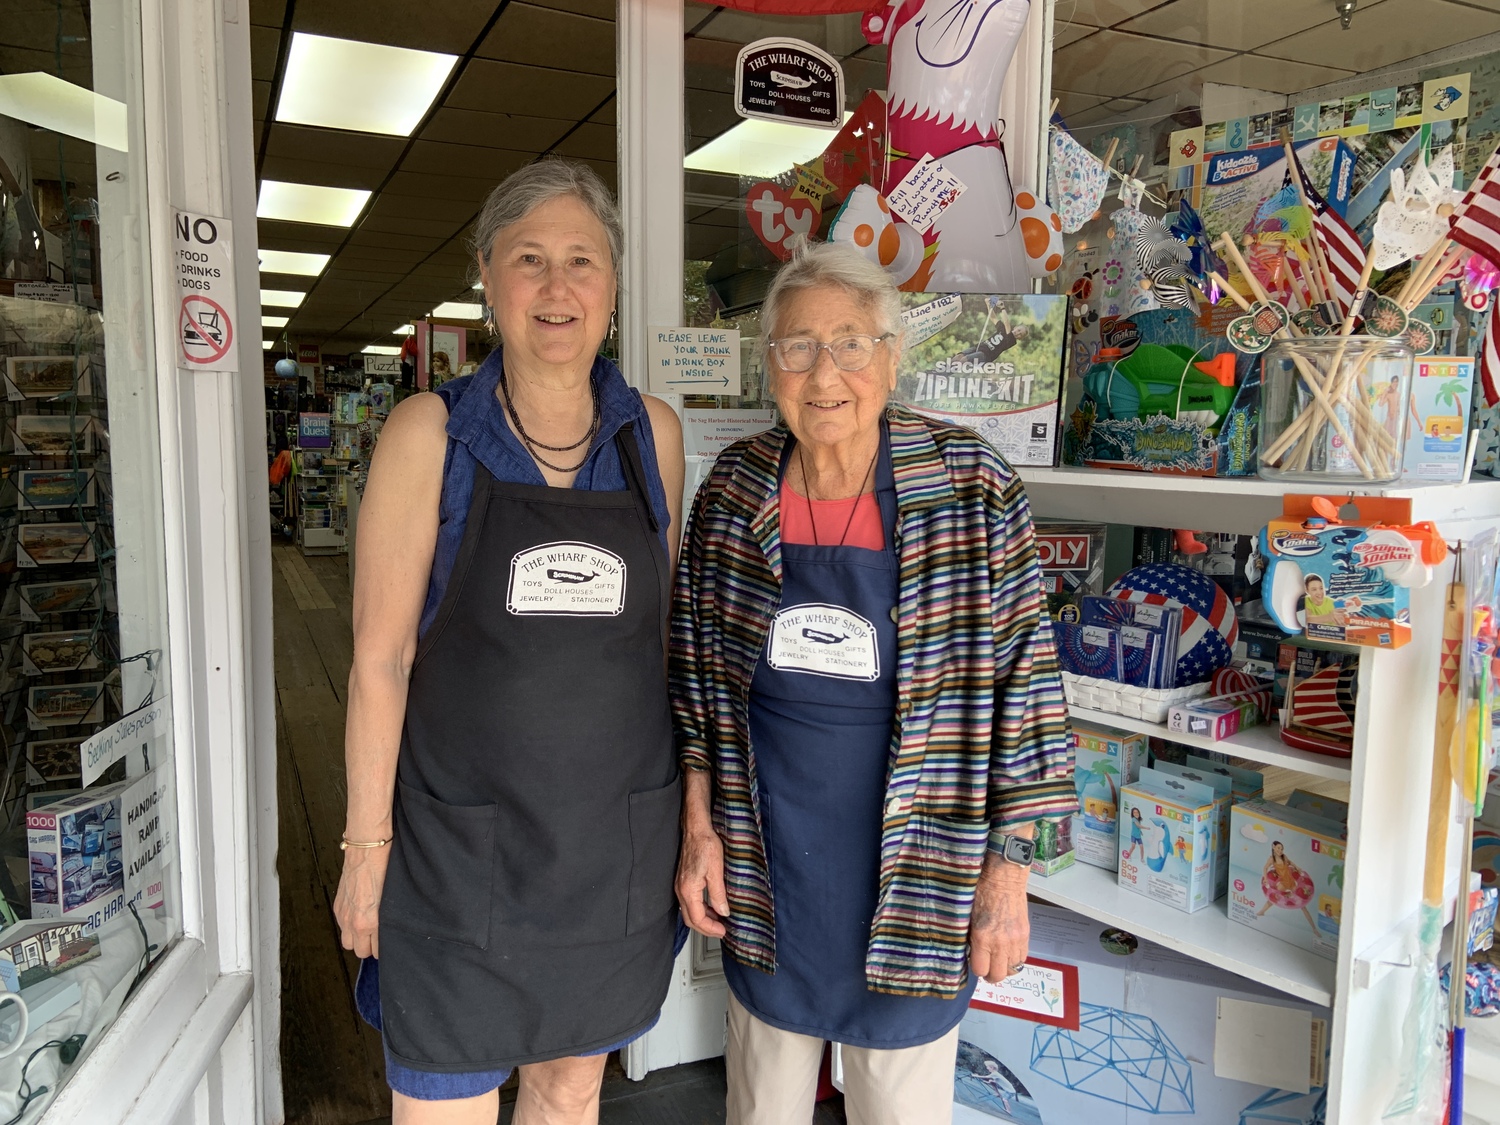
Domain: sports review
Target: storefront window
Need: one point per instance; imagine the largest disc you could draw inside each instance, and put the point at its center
(89, 881)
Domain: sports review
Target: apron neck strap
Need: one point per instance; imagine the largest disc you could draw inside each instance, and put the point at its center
(635, 471)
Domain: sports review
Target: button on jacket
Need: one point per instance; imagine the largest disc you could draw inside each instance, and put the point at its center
(980, 740)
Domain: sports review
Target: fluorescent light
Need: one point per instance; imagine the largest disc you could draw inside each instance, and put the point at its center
(48, 101)
(273, 321)
(458, 310)
(760, 149)
(292, 261)
(310, 203)
(281, 298)
(265, 345)
(364, 87)
(380, 349)
(404, 330)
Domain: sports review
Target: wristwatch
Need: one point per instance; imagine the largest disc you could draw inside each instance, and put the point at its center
(1017, 849)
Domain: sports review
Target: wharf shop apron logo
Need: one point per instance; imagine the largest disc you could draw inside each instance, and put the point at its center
(824, 640)
(568, 580)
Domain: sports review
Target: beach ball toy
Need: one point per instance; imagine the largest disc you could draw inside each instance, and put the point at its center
(865, 222)
(1041, 232)
(1209, 626)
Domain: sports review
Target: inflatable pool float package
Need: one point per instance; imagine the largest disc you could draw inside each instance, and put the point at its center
(1286, 874)
(1168, 826)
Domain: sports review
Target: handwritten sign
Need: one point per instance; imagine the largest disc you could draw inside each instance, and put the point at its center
(693, 361)
(706, 433)
(927, 320)
(134, 732)
(925, 192)
(1043, 991)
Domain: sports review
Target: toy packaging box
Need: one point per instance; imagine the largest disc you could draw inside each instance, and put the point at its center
(31, 952)
(1072, 561)
(100, 848)
(1223, 787)
(1103, 760)
(1438, 430)
(1054, 846)
(1329, 808)
(1245, 785)
(1168, 830)
(1106, 1028)
(991, 362)
(1286, 874)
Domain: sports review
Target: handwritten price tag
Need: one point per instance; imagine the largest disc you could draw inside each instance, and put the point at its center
(1040, 991)
(925, 192)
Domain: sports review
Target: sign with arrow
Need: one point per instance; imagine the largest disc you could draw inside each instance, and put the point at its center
(693, 361)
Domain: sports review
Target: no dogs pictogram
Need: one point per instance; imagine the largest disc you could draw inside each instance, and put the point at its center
(206, 330)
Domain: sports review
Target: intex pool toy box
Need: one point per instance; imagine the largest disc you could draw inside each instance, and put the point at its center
(1106, 1028)
(1103, 760)
(100, 848)
(1286, 874)
(1168, 832)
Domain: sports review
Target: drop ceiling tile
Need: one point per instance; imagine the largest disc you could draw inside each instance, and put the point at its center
(1239, 27)
(1116, 109)
(76, 68)
(492, 164)
(450, 26)
(1279, 75)
(377, 256)
(296, 171)
(268, 13)
(1114, 64)
(1070, 103)
(599, 142)
(334, 146)
(430, 228)
(599, 9)
(273, 235)
(38, 26)
(492, 130)
(265, 42)
(437, 185)
(1386, 33)
(451, 211)
(548, 37)
(260, 99)
(503, 87)
(607, 114)
(1063, 34)
(372, 277)
(708, 64)
(1103, 13)
(410, 243)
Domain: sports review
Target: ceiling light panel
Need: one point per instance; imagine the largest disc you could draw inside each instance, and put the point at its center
(273, 321)
(458, 310)
(360, 87)
(760, 149)
(381, 349)
(281, 298)
(292, 261)
(265, 345)
(64, 107)
(310, 203)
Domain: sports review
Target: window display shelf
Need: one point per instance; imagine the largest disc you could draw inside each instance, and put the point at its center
(1228, 505)
(1208, 935)
(1258, 744)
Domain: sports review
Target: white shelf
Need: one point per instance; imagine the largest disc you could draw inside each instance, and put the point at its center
(1258, 744)
(1208, 935)
(1241, 505)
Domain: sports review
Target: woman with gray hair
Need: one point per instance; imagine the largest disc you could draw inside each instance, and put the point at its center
(870, 713)
(512, 822)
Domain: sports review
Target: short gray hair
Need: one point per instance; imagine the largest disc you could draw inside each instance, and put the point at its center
(816, 265)
(542, 181)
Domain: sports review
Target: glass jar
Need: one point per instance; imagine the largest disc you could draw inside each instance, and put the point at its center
(1335, 408)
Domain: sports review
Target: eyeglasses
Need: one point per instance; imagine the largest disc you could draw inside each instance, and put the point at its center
(798, 354)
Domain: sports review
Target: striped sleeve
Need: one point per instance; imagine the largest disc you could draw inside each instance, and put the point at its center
(1031, 763)
(688, 681)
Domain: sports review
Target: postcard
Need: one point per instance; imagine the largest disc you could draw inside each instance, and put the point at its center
(55, 488)
(65, 705)
(52, 435)
(40, 599)
(56, 759)
(54, 544)
(68, 651)
(46, 376)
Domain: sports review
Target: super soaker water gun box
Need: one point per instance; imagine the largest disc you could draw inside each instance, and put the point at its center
(1347, 580)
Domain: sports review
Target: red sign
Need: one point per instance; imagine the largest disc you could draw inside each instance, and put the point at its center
(206, 330)
(1063, 552)
(307, 353)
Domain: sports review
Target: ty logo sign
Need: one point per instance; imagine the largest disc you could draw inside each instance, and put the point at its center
(778, 220)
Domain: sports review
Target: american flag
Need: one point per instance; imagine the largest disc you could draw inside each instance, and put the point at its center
(1342, 248)
(1476, 227)
(1209, 626)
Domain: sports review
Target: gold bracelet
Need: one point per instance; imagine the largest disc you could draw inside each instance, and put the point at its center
(345, 844)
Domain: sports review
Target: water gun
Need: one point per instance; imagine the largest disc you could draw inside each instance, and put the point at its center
(1162, 379)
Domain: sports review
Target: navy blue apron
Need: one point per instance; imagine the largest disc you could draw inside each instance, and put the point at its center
(822, 704)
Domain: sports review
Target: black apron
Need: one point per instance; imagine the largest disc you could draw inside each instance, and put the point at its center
(528, 910)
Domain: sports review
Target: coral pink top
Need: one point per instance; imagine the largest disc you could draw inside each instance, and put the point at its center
(798, 515)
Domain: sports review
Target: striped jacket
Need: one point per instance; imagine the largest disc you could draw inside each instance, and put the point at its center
(981, 739)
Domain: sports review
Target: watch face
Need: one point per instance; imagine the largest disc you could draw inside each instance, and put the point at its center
(1018, 850)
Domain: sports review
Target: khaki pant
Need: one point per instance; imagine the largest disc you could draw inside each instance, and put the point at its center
(773, 1077)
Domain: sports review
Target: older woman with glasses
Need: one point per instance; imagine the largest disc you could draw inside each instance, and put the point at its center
(869, 709)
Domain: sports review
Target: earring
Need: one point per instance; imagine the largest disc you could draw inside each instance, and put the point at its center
(613, 326)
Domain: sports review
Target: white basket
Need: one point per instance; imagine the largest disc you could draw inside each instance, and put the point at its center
(1150, 704)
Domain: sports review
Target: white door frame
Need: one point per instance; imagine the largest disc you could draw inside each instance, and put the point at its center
(198, 1042)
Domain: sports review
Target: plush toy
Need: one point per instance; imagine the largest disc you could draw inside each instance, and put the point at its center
(1209, 625)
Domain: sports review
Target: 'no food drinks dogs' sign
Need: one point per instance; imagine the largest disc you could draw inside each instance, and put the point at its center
(789, 80)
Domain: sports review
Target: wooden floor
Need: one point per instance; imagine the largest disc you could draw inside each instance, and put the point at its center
(332, 1068)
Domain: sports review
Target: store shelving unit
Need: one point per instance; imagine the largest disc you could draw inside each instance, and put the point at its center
(320, 509)
(1389, 778)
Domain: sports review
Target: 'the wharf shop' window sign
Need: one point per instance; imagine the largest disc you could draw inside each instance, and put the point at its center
(789, 80)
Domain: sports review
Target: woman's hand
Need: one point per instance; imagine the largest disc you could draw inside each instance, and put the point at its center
(999, 928)
(700, 865)
(357, 904)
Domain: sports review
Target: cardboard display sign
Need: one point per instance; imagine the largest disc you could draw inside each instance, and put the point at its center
(789, 80)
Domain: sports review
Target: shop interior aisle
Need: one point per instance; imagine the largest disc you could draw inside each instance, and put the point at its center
(332, 1068)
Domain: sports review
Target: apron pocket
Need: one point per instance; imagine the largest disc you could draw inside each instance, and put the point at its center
(442, 864)
(655, 838)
